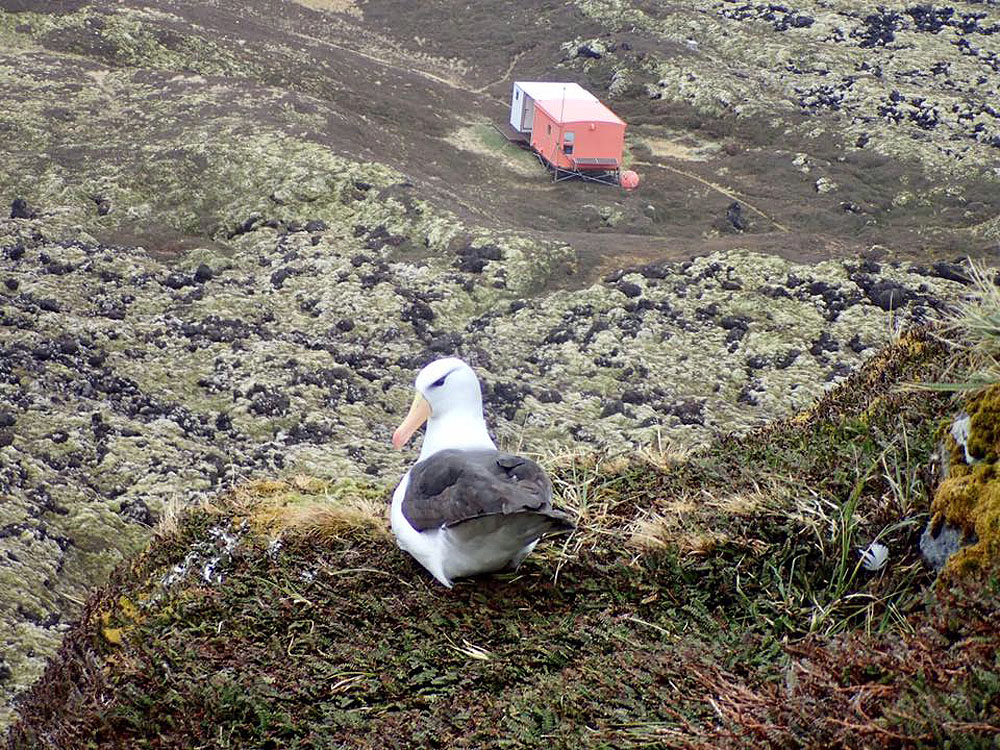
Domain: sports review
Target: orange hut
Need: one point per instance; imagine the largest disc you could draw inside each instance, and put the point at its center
(578, 138)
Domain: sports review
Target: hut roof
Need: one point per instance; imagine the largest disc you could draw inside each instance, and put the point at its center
(577, 110)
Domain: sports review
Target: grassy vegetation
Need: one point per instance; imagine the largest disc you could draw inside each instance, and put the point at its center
(712, 600)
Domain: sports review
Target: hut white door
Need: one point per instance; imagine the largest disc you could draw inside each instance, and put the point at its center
(527, 114)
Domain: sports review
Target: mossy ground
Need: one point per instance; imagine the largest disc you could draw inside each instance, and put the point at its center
(229, 633)
(969, 498)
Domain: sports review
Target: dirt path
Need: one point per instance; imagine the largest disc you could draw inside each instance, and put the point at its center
(718, 188)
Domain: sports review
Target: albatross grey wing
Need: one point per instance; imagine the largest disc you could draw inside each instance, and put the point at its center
(455, 485)
(520, 528)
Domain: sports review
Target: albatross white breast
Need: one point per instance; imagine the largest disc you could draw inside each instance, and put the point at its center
(465, 507)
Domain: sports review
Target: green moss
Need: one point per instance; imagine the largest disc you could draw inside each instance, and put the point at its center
(969, 497)
(984, 427)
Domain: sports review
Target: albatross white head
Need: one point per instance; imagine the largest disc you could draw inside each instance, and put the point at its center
(449, 398)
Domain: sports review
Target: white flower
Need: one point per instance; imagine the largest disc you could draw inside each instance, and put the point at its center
(875, 557)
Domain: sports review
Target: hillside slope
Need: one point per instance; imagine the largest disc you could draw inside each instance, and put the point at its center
(707, 602)
(236, 229)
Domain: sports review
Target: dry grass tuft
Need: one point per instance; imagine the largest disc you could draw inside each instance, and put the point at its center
(664, 454)
(972, 330)
(175, 509)
(311, 508)
(690, 523)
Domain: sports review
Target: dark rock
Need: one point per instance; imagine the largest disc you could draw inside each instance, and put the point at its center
(68, 345)
(937, 545)
(177, 280)
(559, 335)
(7, 419)
(216, 329)
(246, 226)
(345, 324)
(825, 343)
(203, 273)
(137, 511)
(838, 370)
(279, 277)
(786, 361)
(629, 289)
(879, 28)
(734, 215)
(886, 294)
(774, 291)
(613, 407)
(446, 343)
(710, 311)
(690, 411)
(12, 284)
(316, 225)
(475, 259)
(268, 402)
(735, 323)
(417, 311)
(952, 272)
(6, 438)
(20, 209)
(633, 396)
(586, 51)
(549, 396)
(856, 345)
(59, 269)
(103, 205)
(504, 397)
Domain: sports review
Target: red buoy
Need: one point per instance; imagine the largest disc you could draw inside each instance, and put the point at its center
(629, 180)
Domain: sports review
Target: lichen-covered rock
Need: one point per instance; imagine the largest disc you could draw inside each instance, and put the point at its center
(872, 80)
(965, 510)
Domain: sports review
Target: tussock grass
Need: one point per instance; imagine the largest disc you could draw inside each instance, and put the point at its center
(689, 522)
(972, 331)
(313, 509)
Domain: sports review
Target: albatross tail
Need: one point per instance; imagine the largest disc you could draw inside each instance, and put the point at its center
(495, 541)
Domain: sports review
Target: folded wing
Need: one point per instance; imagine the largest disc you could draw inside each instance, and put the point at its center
(453, 486)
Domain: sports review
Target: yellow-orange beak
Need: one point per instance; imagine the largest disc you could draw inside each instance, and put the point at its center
(420, 410)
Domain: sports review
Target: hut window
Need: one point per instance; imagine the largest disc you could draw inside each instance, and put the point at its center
(568, 140)
(549, 131)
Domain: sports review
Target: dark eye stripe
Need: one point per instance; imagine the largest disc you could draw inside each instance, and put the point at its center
(439, 382)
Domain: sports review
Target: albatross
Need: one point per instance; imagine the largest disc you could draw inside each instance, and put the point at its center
(465, 507)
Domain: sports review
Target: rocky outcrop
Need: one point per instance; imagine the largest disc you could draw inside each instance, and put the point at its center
(963, 533)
